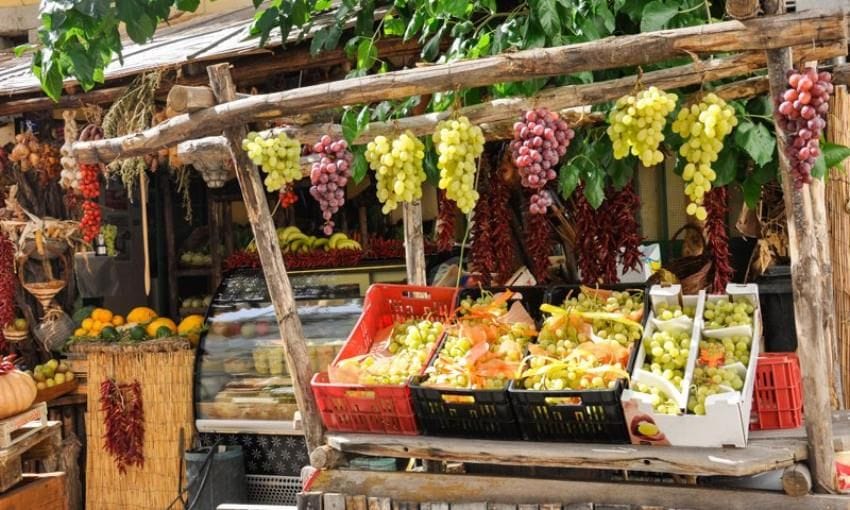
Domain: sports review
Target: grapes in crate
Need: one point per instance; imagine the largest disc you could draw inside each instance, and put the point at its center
(667, 312)
(660, 400)
(726, 314)
(667, 355)
(400, 356)
(590, 366)
(711, 381)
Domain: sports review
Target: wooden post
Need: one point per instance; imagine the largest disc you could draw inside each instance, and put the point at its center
(837, 200)
(414, 243)
(812, 284)
(268, 248)
(214, 227)
(742, 9)
(171, 244)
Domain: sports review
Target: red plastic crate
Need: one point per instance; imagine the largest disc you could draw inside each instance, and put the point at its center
(379, 408)
(777, 396)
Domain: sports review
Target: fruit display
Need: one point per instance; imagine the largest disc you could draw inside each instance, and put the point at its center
(637, 124)
(661, 402)
(51, 373)
(398, 169)
(329, 177)
(586, 343)
(667, 312)
(703, 126)
(98, 320)
(269, 360)
(458, 143)
(110, 234)
(195, 259)
(141, 324)
(191, 328)
(90, 223)
(292, 240)
(30, 154)
(667, 355)
(196, 302)
(540, 140)
(279, 156)
(402, 354)
(802, 112)
(709, 380)
(724, 313)
(484, 349)
(17, 389)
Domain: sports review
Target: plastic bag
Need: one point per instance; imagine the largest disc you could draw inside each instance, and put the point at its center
(96, 276)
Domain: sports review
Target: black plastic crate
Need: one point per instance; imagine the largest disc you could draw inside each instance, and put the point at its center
(590, 416)
(530, 297)
(595, 416)
(463, 412)
(558, 293)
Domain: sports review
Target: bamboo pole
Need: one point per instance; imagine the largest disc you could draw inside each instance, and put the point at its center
(268, 248)
(812, 285)
(613, 52)
(838, 210)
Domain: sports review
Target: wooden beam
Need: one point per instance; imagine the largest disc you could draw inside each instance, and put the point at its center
(640, 49)
(811, 273)
(268, 248)
(414, 243)
(186, 99)
(760, 456)
(422, 487)
(742, 9)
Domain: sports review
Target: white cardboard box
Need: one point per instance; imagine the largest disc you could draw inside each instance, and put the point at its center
(727, 418)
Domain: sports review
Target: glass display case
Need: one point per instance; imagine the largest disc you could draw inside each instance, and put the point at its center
(242, 383)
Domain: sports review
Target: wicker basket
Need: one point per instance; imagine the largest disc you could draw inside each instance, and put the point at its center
(44, 292)
(693, 271)
(12, 335)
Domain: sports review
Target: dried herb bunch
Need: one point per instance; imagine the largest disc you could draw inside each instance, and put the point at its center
(125, 422)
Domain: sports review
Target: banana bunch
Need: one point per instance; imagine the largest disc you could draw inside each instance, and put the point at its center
(292, 240)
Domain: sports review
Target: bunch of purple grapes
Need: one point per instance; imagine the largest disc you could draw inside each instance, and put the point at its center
(803, 110)
(540, 140)
(329, 176)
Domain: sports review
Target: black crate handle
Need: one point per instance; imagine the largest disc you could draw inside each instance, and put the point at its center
(575, 401)
(457, 399)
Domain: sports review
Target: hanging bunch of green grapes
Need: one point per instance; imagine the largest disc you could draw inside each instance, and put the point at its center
(458, 143)
(279, 156)
(703, 126)
(398, 167)
(637, 124)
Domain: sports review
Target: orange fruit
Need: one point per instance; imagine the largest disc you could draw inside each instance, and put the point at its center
(80, 332)
(117, 320)
(141, 315)
(154, 326)
(87, 323)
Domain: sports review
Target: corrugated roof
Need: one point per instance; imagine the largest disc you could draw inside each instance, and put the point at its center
(205, 38)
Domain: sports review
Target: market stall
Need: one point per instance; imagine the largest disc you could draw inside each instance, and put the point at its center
(537, 398)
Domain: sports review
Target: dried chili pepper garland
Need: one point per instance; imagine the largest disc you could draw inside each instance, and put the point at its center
(447, 210)
(718, 237)
(481, 253)
(8, 284)
(538, 241)
(500, 215)
(626, 204)
(125, 422)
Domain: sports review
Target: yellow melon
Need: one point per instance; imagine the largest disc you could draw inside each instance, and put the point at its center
(141, 315)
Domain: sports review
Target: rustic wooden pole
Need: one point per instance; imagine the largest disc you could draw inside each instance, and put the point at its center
(613, 52)
(838, 210)
(742, 9)
(214, 226)
(268, 248)
(414, 243)
(811, 273)
(185, 99)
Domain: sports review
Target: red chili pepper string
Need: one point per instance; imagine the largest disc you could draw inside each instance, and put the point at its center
(8, 284)
(481, 252)
(537, 234)
(627, 204)
(716, 205)
(503, 244)
(445, 222)
(125, 423)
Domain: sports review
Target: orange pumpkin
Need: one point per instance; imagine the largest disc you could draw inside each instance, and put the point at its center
(17, 389)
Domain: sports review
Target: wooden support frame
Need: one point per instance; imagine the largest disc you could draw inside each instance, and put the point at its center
(811, 273)
(268, 248)
(752, 35)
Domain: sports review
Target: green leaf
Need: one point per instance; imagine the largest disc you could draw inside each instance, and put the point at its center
(752, 192)
(367, 54)
(568, 179)
(299, 15)
(393, 26)
(545, 13)
(656, 15)
(819, 168)
(481, 47)
(756, 140)
(349, 125)
(365, 19)
(363, 119)
(429, 164)
(318, 41)
(462, 28)
(83, 67)
(594, 189)
(415, 24)
(92, 8)
(264, 22)
(51, 81)
(188, 5)
(257, 3)
(24, 48)
(834, 154)
(534, 36)
(765, 174)
(606, 16)
(359, 165)
(456, 8)
(432, 47)
(141, 28)
(621, 171)
(726, 166)
(760, 105)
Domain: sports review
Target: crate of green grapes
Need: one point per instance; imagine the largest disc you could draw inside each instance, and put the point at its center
(570, 384)
(707, 401)
(366, 387)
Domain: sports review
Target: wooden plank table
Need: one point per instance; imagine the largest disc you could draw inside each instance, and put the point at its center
(45, 444)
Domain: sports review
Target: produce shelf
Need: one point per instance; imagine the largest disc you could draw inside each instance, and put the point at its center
(766, 451)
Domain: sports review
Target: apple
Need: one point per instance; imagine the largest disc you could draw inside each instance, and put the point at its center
(21, 325)
(41, 386)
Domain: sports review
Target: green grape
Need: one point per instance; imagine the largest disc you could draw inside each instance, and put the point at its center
(666, 312)
(661, 401)
(725, 314)
(110, 234)
(624, 302)
(707, 381)
(703, 126)
(637, 124)
(398, 168)
(279, 157)
(458, 142)
(667, 354)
